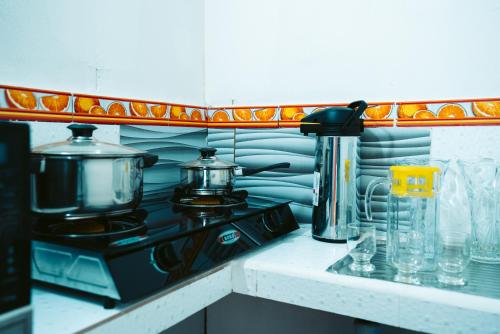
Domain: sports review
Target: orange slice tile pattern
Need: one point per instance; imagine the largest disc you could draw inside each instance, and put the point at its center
(430, 110)
(486, 108)
(379, 112)
(83, 104)
(182, 115)
(19, 103)
(56, 103)
(159, 110)
(197, 115)
(236, 117)
(117, 109)
(25, 104)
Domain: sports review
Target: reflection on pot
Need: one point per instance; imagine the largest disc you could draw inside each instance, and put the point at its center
(82, 177)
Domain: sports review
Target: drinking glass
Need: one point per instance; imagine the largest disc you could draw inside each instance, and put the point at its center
(408, 254)
(483, 191)
(361, 243)
(453, 256)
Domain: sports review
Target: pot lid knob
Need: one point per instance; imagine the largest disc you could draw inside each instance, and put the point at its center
(82, 130)
(207, 152)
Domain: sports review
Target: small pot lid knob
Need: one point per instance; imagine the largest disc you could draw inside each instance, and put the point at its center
(208, 160)
(82, 130)
(207, 152)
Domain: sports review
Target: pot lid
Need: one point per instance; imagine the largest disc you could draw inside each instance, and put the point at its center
(208, 159)
(82, 143)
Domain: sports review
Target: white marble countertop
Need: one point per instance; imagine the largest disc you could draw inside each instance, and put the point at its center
(292, 270)
(58, 312)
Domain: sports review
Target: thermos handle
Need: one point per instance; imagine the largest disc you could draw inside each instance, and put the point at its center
(359, 108)
(370, 189)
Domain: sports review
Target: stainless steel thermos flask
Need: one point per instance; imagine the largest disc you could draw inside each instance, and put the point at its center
(337, 131)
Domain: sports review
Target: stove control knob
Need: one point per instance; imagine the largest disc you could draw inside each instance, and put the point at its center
(165, 259)
(269, 222)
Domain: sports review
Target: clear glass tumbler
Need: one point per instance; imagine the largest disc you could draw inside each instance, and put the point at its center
(408, 254)
(453, 256)
(362, 246)
(483, 191)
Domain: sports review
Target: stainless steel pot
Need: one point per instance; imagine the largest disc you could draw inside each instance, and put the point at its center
(83, 177)
(209, 175)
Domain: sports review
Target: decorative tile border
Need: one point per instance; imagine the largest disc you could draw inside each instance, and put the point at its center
(131, 111)
(245, 116)
(448, 112)
(18, 103)
(290, 115)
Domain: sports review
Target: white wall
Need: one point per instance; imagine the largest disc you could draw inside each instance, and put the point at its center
(254, 52)
(150, 49)
(465, 142)
(46, 132)
(292, 51)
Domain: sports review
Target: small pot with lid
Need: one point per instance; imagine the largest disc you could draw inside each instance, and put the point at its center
(211, 176)
(83, 177)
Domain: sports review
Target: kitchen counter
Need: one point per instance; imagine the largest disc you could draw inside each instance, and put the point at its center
(60, 312)
(291, 270)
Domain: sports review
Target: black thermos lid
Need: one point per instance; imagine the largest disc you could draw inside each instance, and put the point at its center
(335, 121)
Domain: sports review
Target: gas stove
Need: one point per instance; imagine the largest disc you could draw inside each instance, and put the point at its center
(159, 245)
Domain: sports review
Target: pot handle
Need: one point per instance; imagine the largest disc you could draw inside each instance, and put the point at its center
(251, 171)
(37, 165)
(150, 160)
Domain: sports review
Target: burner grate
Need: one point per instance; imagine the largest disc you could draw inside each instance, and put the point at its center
(235, 200)
(111, 227)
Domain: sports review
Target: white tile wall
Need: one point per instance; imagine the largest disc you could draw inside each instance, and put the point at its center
(465, 142)
(47, 132)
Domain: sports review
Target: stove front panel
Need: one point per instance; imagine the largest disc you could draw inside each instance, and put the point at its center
(151, 269)
(269, 224)
(137, 266)
(72, 268)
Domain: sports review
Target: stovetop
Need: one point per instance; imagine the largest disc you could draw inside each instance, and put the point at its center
(166, 244)
(159, 219)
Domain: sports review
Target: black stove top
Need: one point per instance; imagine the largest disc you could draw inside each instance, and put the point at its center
(153, 221)
(128, 257)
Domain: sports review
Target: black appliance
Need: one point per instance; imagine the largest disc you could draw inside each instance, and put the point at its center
(128, 257)
(14, 209)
